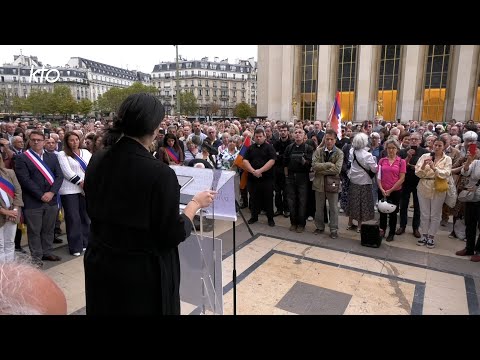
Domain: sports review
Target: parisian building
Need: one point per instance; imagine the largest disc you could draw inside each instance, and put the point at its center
(103, 77)
(16, 79)
(398, 82)
(212, 82)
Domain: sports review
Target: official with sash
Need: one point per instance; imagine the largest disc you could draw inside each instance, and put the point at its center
(40, 177)
(10, 203)
(73, 162)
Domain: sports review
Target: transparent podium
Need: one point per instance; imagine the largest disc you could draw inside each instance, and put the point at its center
(201, 284)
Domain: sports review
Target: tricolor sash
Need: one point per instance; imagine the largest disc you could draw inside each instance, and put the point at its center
(172, 155)
(6, 188)
(40, 165)
(82, 162)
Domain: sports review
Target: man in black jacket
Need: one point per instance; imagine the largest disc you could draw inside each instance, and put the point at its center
(411, 155)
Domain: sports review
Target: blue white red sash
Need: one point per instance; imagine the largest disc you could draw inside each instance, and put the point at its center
(40, 165)
(172, 155)
(6, 189)
(82, 162)
(7, 186)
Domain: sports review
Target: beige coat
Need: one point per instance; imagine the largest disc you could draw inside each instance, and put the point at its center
(17, 202)
(426, 186)
(322, 168)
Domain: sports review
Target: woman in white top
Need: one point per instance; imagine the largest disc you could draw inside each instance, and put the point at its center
(428, 167)
(73, 162)
(360, 205)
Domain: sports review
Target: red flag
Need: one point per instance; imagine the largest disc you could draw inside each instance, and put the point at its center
(239, 162)
(335, 117)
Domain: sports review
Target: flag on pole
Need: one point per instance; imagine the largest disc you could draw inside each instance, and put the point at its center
(335, 117)
(239, 162)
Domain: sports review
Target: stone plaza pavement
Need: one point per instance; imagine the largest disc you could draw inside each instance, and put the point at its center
(283, 272)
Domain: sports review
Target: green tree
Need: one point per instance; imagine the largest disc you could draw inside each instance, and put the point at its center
(38, 102)
(62, 102)
(85, 106)
(188, 103)
(19, 104)
(212, 109)
(242, 110)
(113, 98)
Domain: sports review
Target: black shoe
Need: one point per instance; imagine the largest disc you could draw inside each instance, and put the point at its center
(57, 240)
(278, 213)
(243, 206)
(389, 238)
(20, 250)
(252, 220)
(51, 258)
(272, 223)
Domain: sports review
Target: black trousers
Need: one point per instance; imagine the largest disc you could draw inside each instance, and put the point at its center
(408, 189)
(297, 192)
(261, 196)
(472, 219)
(279, 186)
(394, 198)
(77, 222)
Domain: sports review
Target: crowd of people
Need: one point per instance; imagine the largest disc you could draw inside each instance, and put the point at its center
(301, 170)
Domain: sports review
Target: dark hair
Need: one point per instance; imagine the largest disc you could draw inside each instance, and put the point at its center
(66, 147)
(331, 133)
(139, 115)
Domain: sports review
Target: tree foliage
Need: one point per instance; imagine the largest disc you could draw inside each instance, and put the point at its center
(113, 98)
(243, 110)
(212, 109)
(85, 106)
(188, 103)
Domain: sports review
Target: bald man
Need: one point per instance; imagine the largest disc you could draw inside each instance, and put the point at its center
(25, 290)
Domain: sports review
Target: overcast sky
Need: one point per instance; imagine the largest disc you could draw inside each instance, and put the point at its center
(133, 57)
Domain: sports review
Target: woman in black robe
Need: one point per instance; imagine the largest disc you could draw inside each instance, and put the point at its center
(131, 264)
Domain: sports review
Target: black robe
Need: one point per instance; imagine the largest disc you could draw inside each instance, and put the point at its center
(131, 263)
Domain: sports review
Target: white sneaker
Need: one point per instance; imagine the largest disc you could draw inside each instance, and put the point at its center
(84, 249)
(76, 254)
(310, 218)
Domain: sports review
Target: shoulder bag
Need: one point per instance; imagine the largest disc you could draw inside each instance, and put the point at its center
(369, 172)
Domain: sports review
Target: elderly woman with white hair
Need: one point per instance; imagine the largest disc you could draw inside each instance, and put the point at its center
(360, 198)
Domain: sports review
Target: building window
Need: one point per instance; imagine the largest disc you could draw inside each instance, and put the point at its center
(347, 70)
(199, 73)
(233, 76)
(206, 73)
(388, 81)
(436, 74)
(207, 92)
(308, 82)
(224, 75)
(200, 92)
